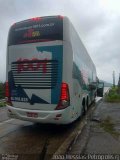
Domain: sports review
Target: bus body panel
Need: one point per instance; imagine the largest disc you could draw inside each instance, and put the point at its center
(43, 116)
(83, 70)
(29, 81)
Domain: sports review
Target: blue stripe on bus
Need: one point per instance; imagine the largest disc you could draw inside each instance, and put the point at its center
(57, 54)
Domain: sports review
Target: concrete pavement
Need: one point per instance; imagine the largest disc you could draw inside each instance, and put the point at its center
(102, 132)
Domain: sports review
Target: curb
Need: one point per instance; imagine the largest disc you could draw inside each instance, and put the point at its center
(66, 145)
(70, 140)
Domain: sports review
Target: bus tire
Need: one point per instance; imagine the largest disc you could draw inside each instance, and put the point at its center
(87, 102)
(83, 107)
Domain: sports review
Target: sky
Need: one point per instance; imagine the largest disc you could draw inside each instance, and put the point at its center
(96, 21)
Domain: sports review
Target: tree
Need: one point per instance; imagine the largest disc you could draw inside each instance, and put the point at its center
(2, 90)
(119, 84)
(119, 80)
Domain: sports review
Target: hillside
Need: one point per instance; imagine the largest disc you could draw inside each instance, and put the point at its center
(106, 84)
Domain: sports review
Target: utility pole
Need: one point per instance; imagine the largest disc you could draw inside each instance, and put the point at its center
(119, 84)
(119, 81)
(113, 78)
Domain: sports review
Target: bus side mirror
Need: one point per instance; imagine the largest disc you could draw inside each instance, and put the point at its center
(100, 89)
(92, 86)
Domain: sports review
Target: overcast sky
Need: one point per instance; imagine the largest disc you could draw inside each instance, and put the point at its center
(96, 21)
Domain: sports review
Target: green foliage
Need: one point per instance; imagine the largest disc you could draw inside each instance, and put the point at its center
(2, 90)
(2, 104)
(113, 95)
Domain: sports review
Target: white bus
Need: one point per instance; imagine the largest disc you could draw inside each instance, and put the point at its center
(50, 76)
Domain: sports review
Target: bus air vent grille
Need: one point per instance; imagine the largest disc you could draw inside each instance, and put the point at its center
(35, 74)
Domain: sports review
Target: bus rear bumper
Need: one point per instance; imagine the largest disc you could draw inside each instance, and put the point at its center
(63, 116)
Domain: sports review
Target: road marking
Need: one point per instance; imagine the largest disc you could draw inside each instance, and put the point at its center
(4, 122)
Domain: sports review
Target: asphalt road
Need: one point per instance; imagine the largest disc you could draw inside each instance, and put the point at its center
(31, 141)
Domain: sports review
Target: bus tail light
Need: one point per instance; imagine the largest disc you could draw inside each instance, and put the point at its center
(7, 94)
(64, 97)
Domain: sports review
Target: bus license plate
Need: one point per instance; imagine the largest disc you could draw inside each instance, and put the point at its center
(32, 114)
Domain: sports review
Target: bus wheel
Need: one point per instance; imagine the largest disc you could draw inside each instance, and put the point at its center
(87, 103)
(83, 108)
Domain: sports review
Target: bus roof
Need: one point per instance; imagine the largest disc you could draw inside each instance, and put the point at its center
(38, 19)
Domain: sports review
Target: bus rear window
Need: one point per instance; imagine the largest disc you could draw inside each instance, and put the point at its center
(36, 30)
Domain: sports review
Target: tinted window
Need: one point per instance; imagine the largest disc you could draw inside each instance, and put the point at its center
(36, 30)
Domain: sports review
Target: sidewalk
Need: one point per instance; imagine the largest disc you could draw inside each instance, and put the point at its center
(102, 132)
